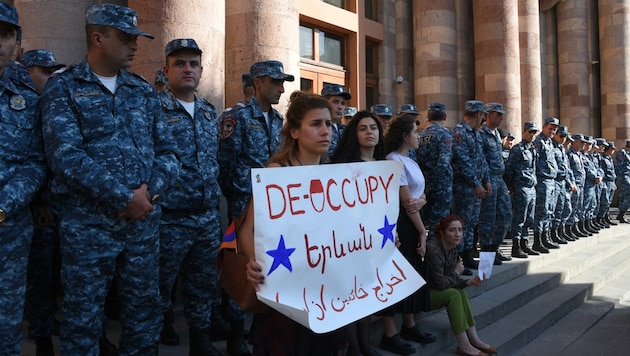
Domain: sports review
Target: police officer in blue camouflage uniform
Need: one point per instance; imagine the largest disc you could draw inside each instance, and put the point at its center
(597, 156)
(608, 167)
(337, 96)
(348, 114)
(409, 109)
(471, 182)
(546, 171)
(622, 168)
(520, 178)
(496, 209)
(41, 64)
(250, 134)
(112, 157)
(435, 152)
(593, 178)
(190, 228)
(384, 113)
(160, 81)
(574, 155)
(22, 172)
(562, 185)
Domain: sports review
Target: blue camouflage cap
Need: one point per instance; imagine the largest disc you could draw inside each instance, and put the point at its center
(474, 106)
(563, 130)
(349, 111)
(382, 110)
(9, 14)
(332, 89)
(588, 139)
(611, 144)
(531, 126)
(271, 69)
(496, 107)
(552, 121)
(511, 135)
(576, 137)
(40, 58)
(181, 43)
(246, 79)
(408, 109)
(160, 77)
(437, 107)
(119, 17)
(600, 141)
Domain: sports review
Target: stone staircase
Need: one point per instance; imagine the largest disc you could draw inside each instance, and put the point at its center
(543, 303)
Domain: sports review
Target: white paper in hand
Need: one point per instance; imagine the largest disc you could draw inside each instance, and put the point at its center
(486, 261)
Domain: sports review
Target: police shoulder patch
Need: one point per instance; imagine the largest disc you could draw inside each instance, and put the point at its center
(17, 102)
(228, 125)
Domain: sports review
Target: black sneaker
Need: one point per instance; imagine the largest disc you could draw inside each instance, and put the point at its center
(416, 334)
(397, 345)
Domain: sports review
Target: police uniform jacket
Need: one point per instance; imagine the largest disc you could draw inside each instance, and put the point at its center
(577, 167)
(434, 155)
(546, 166)
(197, 140)
(591, 171)
(520, 168)
(607, 166)
(22, 161)
(492, 150)
(622, 166)
(469, 164)
(101, 146)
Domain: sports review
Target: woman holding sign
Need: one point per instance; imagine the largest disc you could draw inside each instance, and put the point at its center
(306, 136)
(447, 289)
(400, 138)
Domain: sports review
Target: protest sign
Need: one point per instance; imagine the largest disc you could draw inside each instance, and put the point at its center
(325, 238)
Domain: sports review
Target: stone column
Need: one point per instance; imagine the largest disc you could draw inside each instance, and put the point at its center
(203, 21)
(550, 101)
(573, 66)
(55, 25)
(404, 52)
(435, 59)
(614, 31)
(529, 43)
(465, 60)
(259, 30)
(387, 54)
(497, 57)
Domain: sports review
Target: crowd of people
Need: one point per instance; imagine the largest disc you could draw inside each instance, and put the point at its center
(110, 183)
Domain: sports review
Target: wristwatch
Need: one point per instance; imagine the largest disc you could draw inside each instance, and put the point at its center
(2, 216)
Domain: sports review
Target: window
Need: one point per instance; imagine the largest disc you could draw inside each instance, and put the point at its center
(306, 42)
(331, 48)
(337, 3)
(371, 58)
(370, 10)
(306, 85)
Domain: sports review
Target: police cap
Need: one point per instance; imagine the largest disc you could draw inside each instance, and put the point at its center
(408, 109)
(39, 58)
(474, 106)
(119, 17)
(181, 43)
(381, 110)
(271, 69)
(332, 89)
(496, 107)
(349, 111)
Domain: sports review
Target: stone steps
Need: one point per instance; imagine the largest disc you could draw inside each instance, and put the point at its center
(526, 297)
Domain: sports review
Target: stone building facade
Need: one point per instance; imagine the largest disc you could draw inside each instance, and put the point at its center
(540, 58)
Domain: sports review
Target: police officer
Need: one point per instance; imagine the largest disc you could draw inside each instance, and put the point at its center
(409, 109)
(348, 114)
(435, 152)
(160, 80)
(562, 185)
(597, 156)
(496, 210)
(41, 64)
(337, 96)
(471, 182)
(384, 113)
(608, 183)
(520, 178)
(250, 134)
(23, 172)
(574, 154)
(248, 86)
(507, 140)
(546, 171)
(622, 168)
(112, 156)
(593, 179)
(190, 228)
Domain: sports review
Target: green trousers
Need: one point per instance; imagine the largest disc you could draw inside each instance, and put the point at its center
(457, 306)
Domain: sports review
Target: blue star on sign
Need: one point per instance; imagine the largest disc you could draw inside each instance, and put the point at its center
(387, 232)
(281, 256)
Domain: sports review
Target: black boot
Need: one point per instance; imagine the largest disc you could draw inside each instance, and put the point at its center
(564, 232)
(469, 262)
(526, 249)
(538, 246)
(236, 345)
(621, 218)
(44, 346)
(546, 241)
(610, 222)
(200, 343)
(517, 252)
(557, 238)
(502, 256)
(582, 228)
(168, 336)
(575, 233)
(597, 224)
(588, 225)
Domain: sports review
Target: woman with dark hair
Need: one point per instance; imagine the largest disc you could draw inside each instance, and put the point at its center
(447, 288)
(362, 141)
(400, 138)
(306, 136)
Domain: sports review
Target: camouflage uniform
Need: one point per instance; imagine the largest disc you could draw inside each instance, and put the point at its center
(590, 194)
(520, 178)
(562, 185)
(101, 146)
(246, 143)
(579, 176)
(470, 170)
(622, 168)
(190, 228)
(496, 209)
(546, 171)
(608, 168)
(23, 172)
